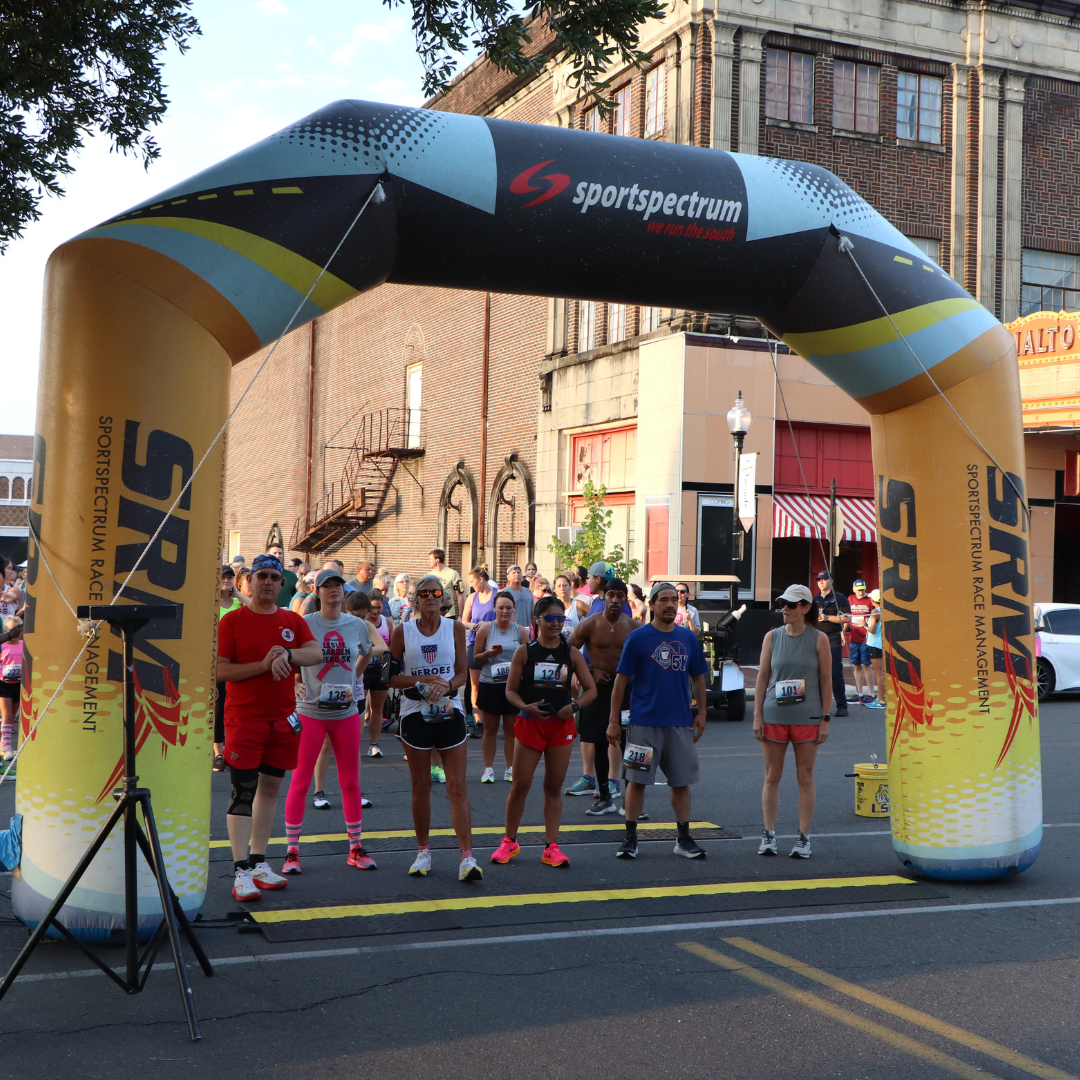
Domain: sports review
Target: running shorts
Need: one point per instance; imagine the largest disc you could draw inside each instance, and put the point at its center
(543, 734)
(859, 653)
(10, 690)
(594, 718)
(414, 731)
(796, 733)
(251, 743)
(875, 654)
(674, 751)
(491, 698)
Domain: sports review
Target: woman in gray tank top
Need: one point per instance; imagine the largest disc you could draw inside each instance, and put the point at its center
(791, 704)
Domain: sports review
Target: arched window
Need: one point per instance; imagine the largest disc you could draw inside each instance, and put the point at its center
(459, 520)
(18, 489)
(512, 517)
(4, 489)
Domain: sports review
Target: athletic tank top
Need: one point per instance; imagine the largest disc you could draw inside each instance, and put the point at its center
(383, 629)
(794, 693)
(433, 655)
(496, 668)
(546, 676)
(481, 612)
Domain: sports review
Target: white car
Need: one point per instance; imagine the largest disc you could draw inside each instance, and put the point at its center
(1057, 645)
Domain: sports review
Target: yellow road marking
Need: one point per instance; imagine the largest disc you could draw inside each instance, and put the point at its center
(202, 198)
(245, 191)
(913, 1016)
(844, 1016)
(901, 259)
(486, 830)
(471, 903)
(287, 191)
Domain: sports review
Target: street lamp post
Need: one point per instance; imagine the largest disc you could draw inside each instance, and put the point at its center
(738, 422)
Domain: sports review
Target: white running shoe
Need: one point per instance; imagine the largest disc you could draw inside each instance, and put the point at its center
(265, 878)
(488, 777)
(365, 803)
(768, 843)
(801, 850)
(508, 775)
(374, 751)
(320, 801)
(244, 889)
(422, 864)
(468, 870)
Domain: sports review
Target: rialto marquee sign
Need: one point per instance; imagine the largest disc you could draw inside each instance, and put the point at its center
(1048, 350)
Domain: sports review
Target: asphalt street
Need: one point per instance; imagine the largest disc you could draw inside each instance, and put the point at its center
(963, 980)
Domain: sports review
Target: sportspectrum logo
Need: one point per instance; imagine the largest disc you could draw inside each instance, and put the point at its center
(521, 185)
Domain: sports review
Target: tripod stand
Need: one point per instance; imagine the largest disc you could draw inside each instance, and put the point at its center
(129, 619)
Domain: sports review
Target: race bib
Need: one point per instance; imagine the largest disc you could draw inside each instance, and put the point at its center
(335, 696)
(434, 712)
(638, 757)
(500, 672)
(545, 672)
(858, 620)
(790, 691)
(13, 673)
(624, 718)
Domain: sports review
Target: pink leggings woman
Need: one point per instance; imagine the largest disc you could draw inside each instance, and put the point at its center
(344, 735)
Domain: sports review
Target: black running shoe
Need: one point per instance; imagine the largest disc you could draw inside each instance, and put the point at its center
(840, 711)
(688, 849)
(627, 849)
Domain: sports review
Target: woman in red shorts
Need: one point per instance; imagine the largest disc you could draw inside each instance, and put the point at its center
(539, 688)
(791, 704)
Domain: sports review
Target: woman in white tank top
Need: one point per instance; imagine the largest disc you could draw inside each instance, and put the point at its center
(429, 668)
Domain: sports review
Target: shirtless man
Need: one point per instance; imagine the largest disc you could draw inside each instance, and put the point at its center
(603, 634)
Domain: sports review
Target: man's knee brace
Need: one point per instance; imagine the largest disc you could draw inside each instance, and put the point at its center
(244, 783)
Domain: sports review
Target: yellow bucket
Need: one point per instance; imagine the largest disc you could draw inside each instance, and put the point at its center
(872, 790)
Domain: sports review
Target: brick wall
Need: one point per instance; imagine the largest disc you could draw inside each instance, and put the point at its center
(1051, 162)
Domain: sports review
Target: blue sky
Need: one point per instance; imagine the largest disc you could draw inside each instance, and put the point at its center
(258, 65)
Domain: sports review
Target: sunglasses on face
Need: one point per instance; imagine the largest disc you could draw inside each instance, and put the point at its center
(788, 603)
(425, 593)
(683, 592)
(263, 575)
(553, 618)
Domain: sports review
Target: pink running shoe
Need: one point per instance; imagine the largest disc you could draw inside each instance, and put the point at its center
(359, 858)
(554, 857)
(292, 862)
(506, 850)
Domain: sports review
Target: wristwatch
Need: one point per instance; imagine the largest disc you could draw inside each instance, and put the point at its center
(289, 651)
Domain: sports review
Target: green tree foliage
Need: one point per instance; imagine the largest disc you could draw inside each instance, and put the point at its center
(69, 68)
(590, 34)
(588, 546)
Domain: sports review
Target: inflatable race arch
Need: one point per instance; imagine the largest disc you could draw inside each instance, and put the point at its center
(145, 314)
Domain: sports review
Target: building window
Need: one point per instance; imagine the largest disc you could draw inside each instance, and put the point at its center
(855, 97)
(17, 488)
(4, 489)
(587, 326)
(620, 121)
(655, 100)
(592, 120)
(1049, 281)
(650, 319)
(930, 248)
(918, 107)
(414, 390)
(820, 454)
(789, 86)
(234, 543)
(616, 323)
(605, 457)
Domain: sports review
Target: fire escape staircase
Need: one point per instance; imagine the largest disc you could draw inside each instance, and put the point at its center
(355, 501)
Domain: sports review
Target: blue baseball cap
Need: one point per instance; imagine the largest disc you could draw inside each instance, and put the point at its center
(267, 562)
(858, 584)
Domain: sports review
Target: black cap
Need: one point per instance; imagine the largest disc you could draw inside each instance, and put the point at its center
(824, 575)
(228, 570)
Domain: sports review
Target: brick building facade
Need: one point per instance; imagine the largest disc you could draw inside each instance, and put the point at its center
(958, 123)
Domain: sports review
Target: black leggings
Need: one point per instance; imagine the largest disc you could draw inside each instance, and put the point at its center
(601, 769)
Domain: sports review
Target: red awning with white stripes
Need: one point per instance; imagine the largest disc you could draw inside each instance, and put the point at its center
(808, 515)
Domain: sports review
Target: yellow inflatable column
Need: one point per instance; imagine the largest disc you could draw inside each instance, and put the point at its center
(133, 389)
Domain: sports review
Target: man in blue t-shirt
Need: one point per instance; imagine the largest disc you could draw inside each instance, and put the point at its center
(659, 662)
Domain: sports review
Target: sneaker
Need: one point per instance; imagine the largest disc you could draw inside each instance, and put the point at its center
(469, 871)
(875, 704)
(292, 862)
(853, 699)
(508, 774)
(641, 817)
(842, 711)
(265, 878)
(801, 850)
(422, 864)
(359, 858)
(244, 888)
(438, 774)
(627, 849)
(488, 777)
(320, 801)
(688, 849)
(768, 843)
(219, 763)
(613, 789)
(477, 731)
(604, 806)
(584, 786)
(374, 751)
(554, 857)
(866, 698)
(506, 851)
(365, 803)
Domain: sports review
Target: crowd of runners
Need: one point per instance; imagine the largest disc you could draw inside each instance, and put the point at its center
(309, 659)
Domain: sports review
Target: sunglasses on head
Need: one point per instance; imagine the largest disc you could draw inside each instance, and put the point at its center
(553, 618)
(425, 593)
